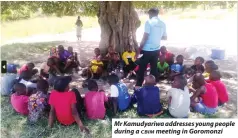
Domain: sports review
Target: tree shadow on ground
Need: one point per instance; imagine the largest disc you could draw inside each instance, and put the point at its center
(21, 53)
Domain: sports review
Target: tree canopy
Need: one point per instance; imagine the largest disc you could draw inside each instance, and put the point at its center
(14, 10)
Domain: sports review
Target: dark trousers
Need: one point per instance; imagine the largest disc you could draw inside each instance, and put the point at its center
(130, 67)
(148, 57)
(80, 102)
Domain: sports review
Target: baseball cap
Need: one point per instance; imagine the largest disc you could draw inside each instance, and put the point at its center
(61, 83)
(12, 68)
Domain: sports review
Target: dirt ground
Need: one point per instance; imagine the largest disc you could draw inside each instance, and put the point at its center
(227, 67)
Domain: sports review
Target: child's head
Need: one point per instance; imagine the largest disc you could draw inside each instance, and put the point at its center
(92, 85)
(215, 75)
(189, 72)
(198, 80)
(42, 85)
(210, 66)
(78, 17)
(179, 59)
(150, 80)
(26, 75)
(12, 68)
(116, 57)
(199, 61)
(70, 49)
(50, 62)
(129, 48)
(97, 51)
(110, 50)
(163, 50)
(20, 89)
(62, 84)
(179, 82)
(30, 65)
(162, 59)
(60, 48)
(113, 79)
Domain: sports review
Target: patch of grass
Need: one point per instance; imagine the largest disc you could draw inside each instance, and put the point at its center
(42, 25)
(25, 52)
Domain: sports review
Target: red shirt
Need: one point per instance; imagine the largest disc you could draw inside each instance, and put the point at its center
(20, 103)
(62, 102)
(168, 56)
(23, 68)
(210, 98)
(94, 103)
(221, 90)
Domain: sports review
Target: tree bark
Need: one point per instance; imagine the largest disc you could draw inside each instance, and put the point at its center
(118, 21)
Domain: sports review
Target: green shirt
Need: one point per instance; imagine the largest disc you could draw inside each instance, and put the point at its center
(162, 68)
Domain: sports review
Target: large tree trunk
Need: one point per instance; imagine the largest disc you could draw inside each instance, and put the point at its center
(118, 21)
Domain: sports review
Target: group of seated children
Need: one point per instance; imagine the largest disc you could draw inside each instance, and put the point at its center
(127, 64)
(30, 95)
(60, 61)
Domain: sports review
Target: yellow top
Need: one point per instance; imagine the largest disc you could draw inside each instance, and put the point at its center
(127, 55)
(206, 75)
(95, 65)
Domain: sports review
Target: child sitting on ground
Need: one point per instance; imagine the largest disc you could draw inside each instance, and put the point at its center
(38, 102)
(74, 57)
(163, 68)
(44, 70)
(188, 74)
(215, 80)
(119, 96)
(129, 59)
(179, 98)
(94, 101)
(205, 97)
(8, 79)
(198, 67)
(148, 98)
(96, 66)
(115, 66)
(29, 67)
(19, 99)
(63, 104)
(26, 79)
(110, 53)
(209, 67)
(169, 57)
(177, 68)
(65, 60)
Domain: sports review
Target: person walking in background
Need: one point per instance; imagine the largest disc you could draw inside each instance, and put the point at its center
(79, 25)
(155, 31)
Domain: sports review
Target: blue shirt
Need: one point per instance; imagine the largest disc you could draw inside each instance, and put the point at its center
(177, 68)
(7, 83)
(124, 98)
(156, 30)
(148, 100)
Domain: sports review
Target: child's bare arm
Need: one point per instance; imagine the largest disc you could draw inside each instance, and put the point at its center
(114, 102)
(77, 119)
(51, 116)
(198, 92)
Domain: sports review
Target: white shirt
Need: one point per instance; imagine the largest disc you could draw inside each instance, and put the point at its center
(180, 103)
(28, 84)
(114, 91)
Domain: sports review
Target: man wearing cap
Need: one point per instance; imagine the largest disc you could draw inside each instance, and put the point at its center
(155, 31)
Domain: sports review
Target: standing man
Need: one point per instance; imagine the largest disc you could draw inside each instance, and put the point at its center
(155, 31)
